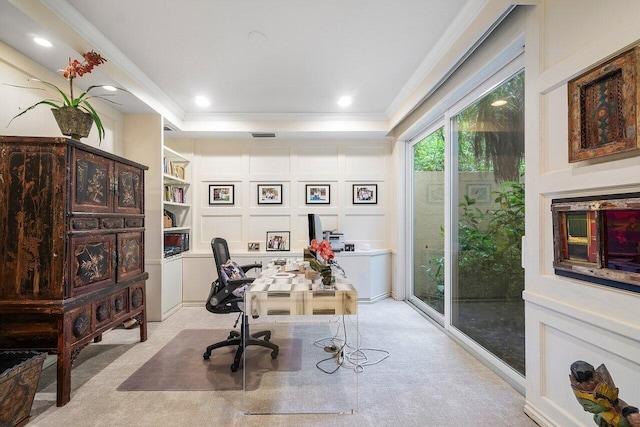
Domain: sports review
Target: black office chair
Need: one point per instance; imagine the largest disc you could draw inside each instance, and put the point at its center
(221, 300)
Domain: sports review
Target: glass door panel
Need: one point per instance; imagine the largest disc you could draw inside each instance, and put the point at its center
(428, 220)
(488, 280)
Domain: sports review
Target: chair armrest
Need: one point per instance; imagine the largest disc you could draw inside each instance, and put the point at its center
(248, 267)
(235, 283)
(227, 291)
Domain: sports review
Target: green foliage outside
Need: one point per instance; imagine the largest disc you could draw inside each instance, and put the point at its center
(491, 139)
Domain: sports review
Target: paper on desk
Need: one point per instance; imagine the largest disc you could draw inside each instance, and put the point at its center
(280, 287)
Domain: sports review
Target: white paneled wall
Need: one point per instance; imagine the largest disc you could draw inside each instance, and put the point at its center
(567, 319)
(245, 164)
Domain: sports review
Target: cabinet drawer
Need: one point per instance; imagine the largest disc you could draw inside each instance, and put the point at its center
(137, 296)
(103, 311)
(135, 222)
(79, 324)
(84, 224)
(110, 223)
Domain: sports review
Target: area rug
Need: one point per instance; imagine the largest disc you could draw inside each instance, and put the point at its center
(179, 365)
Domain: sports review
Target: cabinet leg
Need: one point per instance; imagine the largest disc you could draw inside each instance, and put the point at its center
(142, 320)
(64, 377)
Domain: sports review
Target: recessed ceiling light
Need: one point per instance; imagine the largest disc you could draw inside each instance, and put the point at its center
(256, 37)
(42, 42)
(109, 88)
(345, 101)
(202, 101)
(499, 103)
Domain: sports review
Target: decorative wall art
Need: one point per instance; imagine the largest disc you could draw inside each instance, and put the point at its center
(603, 109)
(365, 194)
(278, 240)
(318, 194)
(269, 194)
(597, 239)
(253, 246)
(221, 195)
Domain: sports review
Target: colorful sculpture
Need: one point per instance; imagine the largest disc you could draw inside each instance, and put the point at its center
(598, 394)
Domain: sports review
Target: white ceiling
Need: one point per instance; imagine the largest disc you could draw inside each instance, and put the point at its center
(259, 61)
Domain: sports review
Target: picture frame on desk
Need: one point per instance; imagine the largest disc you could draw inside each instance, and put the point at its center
(278, 241)
(269, 194)
(221, 194)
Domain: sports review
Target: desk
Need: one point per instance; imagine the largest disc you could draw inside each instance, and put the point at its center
(305, 318)
(298, 296)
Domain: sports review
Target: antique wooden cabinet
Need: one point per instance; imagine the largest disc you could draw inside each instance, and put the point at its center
(71, 247)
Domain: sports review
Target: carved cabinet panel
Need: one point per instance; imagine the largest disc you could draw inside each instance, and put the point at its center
(91, 183)
(71, 247)
(93, 259)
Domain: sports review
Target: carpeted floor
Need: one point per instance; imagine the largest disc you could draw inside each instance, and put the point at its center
(428, 380)
(179, 365)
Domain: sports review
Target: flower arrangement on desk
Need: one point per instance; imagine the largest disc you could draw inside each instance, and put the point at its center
(69, 105)
(323, 260)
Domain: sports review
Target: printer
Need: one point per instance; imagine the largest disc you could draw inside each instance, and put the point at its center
(335, 239)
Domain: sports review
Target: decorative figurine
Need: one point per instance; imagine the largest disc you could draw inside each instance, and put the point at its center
(598, 394)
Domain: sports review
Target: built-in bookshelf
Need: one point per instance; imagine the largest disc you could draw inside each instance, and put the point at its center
(175, 202)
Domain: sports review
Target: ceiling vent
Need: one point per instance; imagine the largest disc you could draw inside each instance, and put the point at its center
(263, 134)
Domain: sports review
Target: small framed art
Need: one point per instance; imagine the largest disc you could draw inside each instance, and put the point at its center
(253, 246)
(365, 194)
(278, 240)
(318, 194)
(603, 109)
(221, 194)
(269, 194)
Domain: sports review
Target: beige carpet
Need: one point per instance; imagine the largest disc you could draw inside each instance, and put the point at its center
(179, 365)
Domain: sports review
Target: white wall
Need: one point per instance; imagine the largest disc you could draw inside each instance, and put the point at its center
(569, 320)
(293, 164)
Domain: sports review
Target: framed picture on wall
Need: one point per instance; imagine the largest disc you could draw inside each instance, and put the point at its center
(603, 109)
(221, 194)
(365, 194)
(278, 241)
(269, 194)
(253, 246)
(318, 194)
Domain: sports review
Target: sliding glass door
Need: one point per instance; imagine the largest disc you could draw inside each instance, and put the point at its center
(466, 241)
(488, 279)
(428, 221)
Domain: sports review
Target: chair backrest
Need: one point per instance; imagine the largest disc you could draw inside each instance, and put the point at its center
(220, 255)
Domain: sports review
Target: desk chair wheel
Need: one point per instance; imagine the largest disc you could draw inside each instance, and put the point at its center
(206, 356)
(234, 367)
(274, 354)
(233, 334)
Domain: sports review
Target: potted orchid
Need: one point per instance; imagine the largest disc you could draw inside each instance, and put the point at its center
(323, 260)
(74, 114)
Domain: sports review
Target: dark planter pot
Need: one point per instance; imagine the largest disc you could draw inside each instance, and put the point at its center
(19, 375)
(73, 122)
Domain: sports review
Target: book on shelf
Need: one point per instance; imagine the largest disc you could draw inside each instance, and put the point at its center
(173, 193)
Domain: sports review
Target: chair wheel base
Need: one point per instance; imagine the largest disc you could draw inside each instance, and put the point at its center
(234, 368)
(206, 356)
(274, 354)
